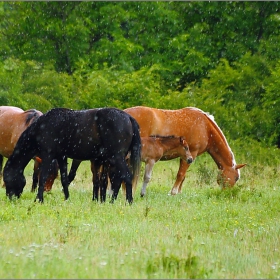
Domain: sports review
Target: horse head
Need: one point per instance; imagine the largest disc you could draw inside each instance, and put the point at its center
(189, 158)
(228, 176)
(14, 184)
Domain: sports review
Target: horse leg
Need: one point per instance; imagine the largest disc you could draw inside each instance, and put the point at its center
(104, 183)
(53, 172)
(36, 172)
(73, 170)
(62, 163)
(180, 187)
(147, 176)
(45, 169)
(194, 154)
(128, 184)
(95, 167)
(1, 167)
(119, 175)
(116, 184)
(180, 177)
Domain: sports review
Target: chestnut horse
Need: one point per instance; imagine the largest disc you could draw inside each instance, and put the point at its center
(13, 121)
(157, 147)
(201, 133)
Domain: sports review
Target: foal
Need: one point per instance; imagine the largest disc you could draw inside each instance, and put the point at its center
(156, 147)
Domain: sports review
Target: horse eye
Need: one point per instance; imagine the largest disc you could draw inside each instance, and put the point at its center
(186, 148)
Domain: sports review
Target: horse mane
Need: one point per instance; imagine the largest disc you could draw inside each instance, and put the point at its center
(32, 115)
(221, 134)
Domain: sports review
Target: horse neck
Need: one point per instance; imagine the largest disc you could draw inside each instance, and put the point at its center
(18, 161)
(219, 148)
(24, 150)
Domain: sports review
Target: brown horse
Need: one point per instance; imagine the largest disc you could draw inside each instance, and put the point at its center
(201, 133)
(13, 121)
(156, 147)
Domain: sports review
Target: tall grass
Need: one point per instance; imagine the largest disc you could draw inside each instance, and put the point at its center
(202, 233)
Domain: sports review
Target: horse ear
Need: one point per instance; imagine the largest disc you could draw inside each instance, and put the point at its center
(38, 159)
(183, 140)
(238, 166)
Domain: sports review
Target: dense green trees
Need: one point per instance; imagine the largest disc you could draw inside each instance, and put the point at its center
(222, 57)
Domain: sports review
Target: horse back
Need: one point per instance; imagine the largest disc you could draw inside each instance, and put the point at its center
(149, 120)
(84, 134)
(13, 121)
(189, 122)
(114, 122)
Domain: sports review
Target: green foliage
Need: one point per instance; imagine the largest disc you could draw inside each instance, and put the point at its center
(234, 94)
(271, 100)
(30, 85)
(11, 82)
(221, 57)
(54, 89)
(109, 87)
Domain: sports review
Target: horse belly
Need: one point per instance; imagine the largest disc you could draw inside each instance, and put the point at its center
(82, 151)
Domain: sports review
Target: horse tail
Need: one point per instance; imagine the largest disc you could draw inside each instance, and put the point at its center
(135, 150)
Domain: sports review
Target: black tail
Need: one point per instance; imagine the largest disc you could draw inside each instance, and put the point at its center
(135, 149)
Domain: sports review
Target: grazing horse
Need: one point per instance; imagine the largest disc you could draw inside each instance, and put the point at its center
(201, 133)
(156, 147)
(103, 136)
(13, 121)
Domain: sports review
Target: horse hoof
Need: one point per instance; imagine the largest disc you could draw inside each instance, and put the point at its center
(173, 192)
(142, 194)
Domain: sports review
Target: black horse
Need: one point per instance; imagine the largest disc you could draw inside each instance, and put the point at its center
(104, 136)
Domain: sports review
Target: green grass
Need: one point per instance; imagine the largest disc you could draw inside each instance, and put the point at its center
(204, 232)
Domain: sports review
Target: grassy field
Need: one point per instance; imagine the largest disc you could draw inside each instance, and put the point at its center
(202, 233)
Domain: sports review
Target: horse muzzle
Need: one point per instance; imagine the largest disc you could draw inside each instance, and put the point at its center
(189, 160)
(11, 195)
